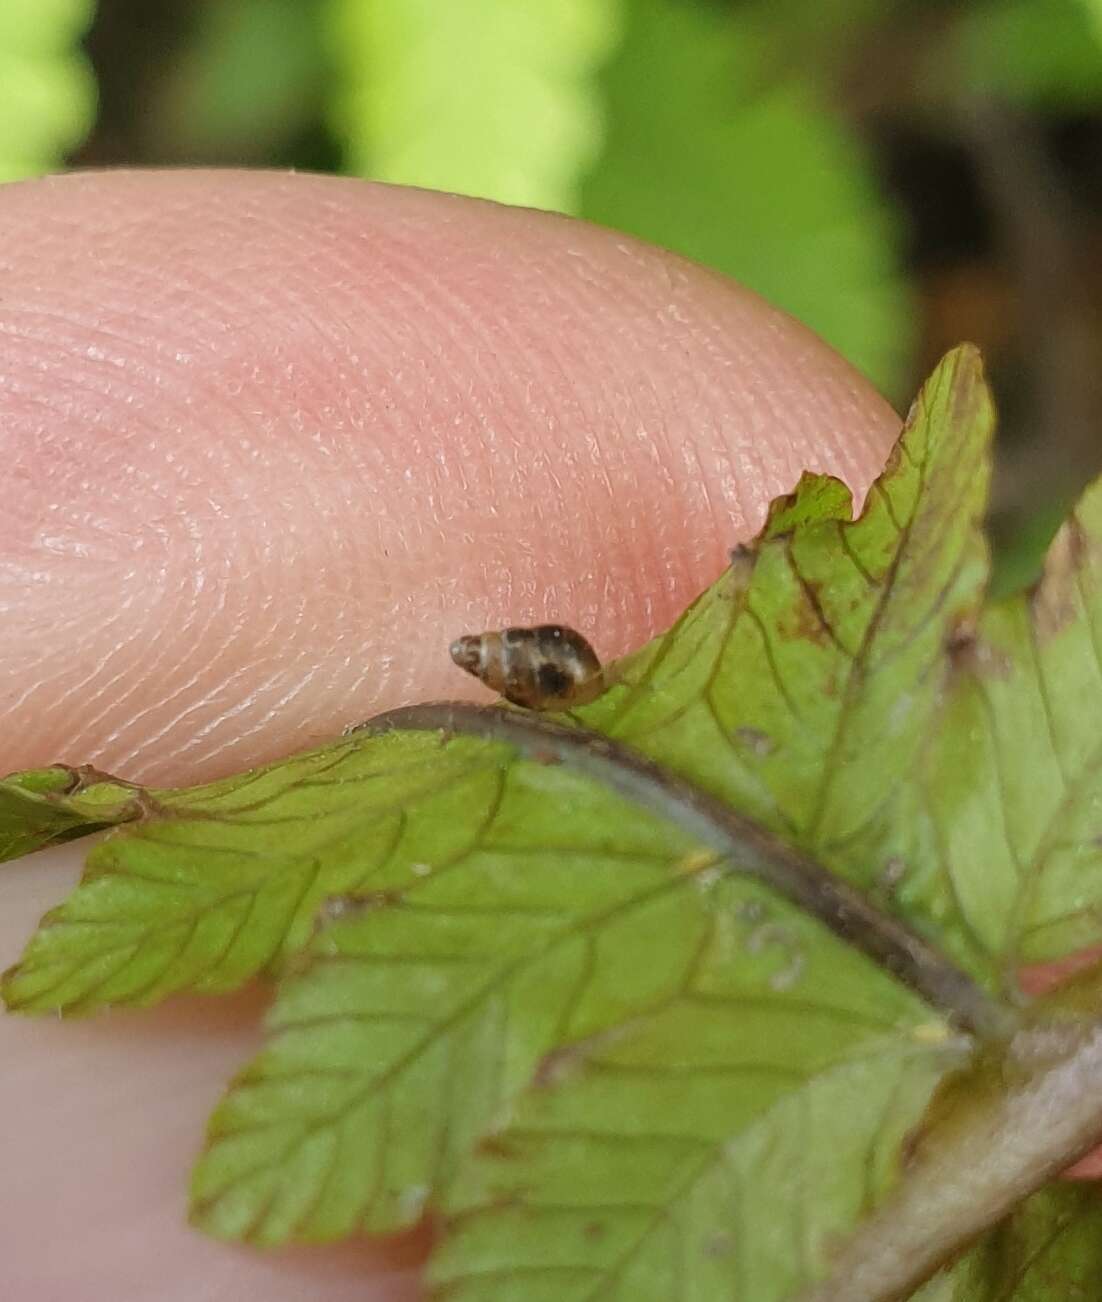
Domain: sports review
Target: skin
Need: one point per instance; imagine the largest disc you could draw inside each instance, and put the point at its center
(267, 444)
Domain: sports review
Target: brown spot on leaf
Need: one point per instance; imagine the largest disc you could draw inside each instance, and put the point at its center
(335, 908)
(497, 1146)
(381, 899)
(807, 625)
(895, 456)
(743, 558)
(962, 640)
(969, 653)
(1054, 600)
(564, 1062)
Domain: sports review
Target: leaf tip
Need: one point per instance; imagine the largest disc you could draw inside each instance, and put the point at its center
(958, 385)
(816, 498)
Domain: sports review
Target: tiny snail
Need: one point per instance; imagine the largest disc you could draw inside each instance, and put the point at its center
(549, 667)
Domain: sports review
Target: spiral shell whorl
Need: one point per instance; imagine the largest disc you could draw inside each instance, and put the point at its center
(549, 667)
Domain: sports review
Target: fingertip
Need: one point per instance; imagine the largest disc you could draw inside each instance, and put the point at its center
(283, 438)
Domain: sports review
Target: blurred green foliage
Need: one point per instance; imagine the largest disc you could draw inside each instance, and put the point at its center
(241, 88)
(741, 133)
(47, 93)
(756, 176)
(702, 152)
(487, 97)
(1039, 52)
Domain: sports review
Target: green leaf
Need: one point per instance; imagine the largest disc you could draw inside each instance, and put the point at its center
(44, 807)
(705, 699)
(483, 97)
(708, 156)
(220, 882)
(1017, 847)
(699, 1159)
(1049, 1250)
(525, 980)
(801, 687)
(414, 1020)
(798, 688)
(47, 94)
(1038, 53)
(425, 1014)
(846, 714)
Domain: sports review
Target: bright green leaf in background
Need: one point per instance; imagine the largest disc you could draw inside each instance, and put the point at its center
(556, 1014)
(493, 98)
(675, 135)
(47, 95)
(708, 156)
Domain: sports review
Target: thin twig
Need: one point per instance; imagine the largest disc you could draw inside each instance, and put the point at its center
(749, 848)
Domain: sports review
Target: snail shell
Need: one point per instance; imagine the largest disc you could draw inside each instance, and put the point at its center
(549, 667)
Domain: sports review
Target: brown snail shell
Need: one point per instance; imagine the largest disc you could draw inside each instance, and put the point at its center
(549, 667)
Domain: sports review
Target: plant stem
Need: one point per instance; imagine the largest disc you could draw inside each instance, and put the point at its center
(749, 848)
(1010, 1132)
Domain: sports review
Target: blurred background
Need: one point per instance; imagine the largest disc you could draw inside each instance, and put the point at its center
(900, 174)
